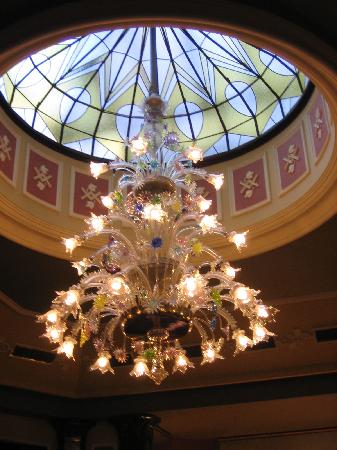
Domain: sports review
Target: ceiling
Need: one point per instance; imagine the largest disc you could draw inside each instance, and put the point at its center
(295, 378)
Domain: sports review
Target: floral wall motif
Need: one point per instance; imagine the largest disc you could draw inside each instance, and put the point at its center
(8, 152)
(42, 178)
(292, 160)
(249, 185)
(87, 192)
(319, 126)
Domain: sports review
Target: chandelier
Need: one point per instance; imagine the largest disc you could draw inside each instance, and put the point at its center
(156, 279)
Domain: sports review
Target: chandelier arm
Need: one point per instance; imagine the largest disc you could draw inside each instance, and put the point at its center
(206, 321)
(210, 252)
(102, 276)
(122, 165)
(86, 298)
(221, 276)
(115, 232)
(220, 231)
(203, 333)
(89, 234)
(124, 169)
(227, 298)
(186, 218)
(139, 271)
(248, 312)
(169, 165)
(107, 312)
(193, 229)
(89, 280)
(125, 185)
(228, 317)
(110, 329)
(198, 172)
(177, 158)
(180, 184)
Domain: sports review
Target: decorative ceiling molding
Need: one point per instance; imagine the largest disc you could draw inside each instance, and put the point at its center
(38, 404)
(15, 306)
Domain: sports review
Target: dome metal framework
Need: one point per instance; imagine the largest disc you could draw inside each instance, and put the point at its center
(87, 92)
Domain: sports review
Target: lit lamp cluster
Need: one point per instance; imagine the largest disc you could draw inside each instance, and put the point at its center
(156, 280)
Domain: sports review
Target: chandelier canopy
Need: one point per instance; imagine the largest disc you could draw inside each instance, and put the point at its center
(156, 279)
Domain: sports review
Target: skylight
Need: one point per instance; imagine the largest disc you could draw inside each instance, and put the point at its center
(87, 92)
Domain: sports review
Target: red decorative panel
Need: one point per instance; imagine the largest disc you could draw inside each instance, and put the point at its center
(42, 178)
(87, 194)
(8, 144)
(249, 185)
(319, 125)
(292, 163)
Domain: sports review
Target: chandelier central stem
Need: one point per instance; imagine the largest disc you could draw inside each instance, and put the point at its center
(154, 88)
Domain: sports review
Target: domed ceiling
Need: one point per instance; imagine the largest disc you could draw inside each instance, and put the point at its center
(86, 93)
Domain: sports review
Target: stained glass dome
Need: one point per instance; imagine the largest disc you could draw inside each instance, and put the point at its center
(87, 92)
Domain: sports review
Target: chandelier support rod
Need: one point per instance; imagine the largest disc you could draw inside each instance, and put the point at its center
(154, 88)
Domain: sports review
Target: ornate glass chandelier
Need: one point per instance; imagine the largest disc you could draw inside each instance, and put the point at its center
(155, 279)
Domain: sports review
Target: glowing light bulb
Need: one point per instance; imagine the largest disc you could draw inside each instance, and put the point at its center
(208, 223)
(259, 332)
(191, 284)
(194, 154)
(54, 334)
(102, 362)
(153, 212)
(230, 271)
(204, 204)
(97, 169)
(72, 297)
(52, 316)
(181, 361)
(116, 284)
(81, 266)
(107, 201)
(140, 368)
(243, 341)
(138, 146)
(210, 354)
(96, 223)
(67, 347)
(211, 351)
(216, 180)
(70, 244)
(238, 239)
(262, 311)
(242, 293)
